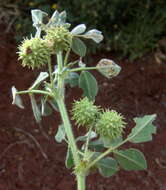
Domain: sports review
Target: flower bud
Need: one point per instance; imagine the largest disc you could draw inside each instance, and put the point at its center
(34, 53)
(110, 124)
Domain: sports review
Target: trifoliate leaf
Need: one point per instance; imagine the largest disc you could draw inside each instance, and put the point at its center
(107, 167)
(89, 85)
(131, 159)
(60, 135)
(37, 18)
(16, 98)
(143, 130)
(79, 29)
(78, 47)
(42, 76)
(95, 35)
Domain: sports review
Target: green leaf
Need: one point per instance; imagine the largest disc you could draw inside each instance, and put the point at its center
(111, 143)
(78, 47)
(54, 104)
(96, 145)
(91, 135)
(108, 68)
(60, 135)
(72, 79)
(143, 130)
(35, 109)
(131, 159)
(94, 34)
(46, 110)
(42, 76)
(69, 162)
(79, 29)
(16, 98)
(37, 16)
(89, 84)
(107, 166)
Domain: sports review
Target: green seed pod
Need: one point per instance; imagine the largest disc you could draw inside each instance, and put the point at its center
(34, 53)
(84, 112)
(58, 38)
(110, 124)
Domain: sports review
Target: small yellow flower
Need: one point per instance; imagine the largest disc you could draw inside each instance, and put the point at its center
(31, 4)
(54, 6)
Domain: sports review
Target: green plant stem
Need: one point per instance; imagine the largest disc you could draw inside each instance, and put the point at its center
(66, 57)
(87, 141)
(81, 182)
(63, 112)
(50, 73)
(83, 69)
(68, 130)
(111, 149)
(67, 125)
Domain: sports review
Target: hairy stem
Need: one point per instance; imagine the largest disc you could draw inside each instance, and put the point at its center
(81, 185)
(68, 130)
(63, 112)
(87, 141)
(83, 69)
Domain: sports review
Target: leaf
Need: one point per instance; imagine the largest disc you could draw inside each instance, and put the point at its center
(91, 135)
(96, 145)
(107, 166)
(111, 143)
(46, 110)
(37, 18)
(35, 109)
(42, 76)
(54, 104)
(60, 135)
(78, 47)
(89, 84)
(79, 29)
(131, 159)
(95, 35)
(62, 17)
(16, 98)
(69, 162)
(72, 79)
(143, 130)
(58, 19)
(108, 68)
